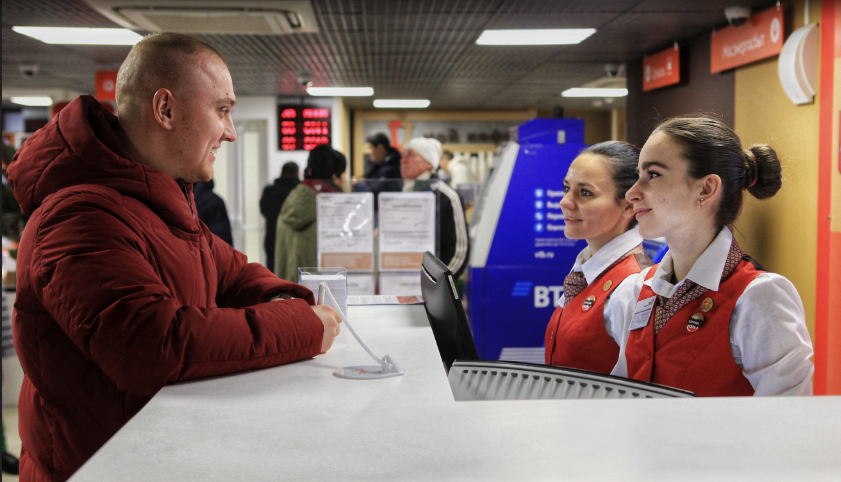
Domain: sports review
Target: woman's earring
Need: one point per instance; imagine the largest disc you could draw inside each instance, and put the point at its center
(701, 202)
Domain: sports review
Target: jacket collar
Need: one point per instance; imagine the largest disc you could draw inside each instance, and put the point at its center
(80, 147)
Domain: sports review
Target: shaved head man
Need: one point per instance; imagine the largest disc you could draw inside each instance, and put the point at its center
(121, 289)
(175, 97)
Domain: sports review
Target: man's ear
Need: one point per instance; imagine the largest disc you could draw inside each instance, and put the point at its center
(162, 108)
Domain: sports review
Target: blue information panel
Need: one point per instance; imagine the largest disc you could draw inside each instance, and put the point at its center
(513, 296)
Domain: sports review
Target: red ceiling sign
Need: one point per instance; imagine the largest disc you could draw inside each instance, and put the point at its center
(758, 38)
(106, 85)
(661, 69)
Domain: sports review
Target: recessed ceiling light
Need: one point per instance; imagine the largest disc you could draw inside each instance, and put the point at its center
(341, 91)
(581, 92)
(33, 101)
(547, 36)
(81, 36)
(401, 103)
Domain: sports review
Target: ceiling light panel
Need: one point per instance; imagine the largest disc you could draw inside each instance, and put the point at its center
(546, 36)
(81, 36)
(341, 91)
(584, 92)
(33, 101)
(401, 103)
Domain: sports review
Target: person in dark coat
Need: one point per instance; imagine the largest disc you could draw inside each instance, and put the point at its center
(121, 289)
(384, 174)
(272, 201)
(212, 210)
(421, 157)
(296, 226)
(11, 211)
(13, 218)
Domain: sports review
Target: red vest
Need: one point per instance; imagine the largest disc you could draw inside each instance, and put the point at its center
(577, 338)
(700, 361)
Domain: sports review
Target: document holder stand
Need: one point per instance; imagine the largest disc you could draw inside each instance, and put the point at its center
(387, 366)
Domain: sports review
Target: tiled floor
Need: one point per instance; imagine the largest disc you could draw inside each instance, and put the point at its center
(10, 423)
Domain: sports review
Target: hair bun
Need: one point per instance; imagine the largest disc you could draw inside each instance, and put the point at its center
(763, 173)
(749, 177)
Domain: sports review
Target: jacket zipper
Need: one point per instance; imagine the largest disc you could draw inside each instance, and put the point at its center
(187, 197)
(201, 259)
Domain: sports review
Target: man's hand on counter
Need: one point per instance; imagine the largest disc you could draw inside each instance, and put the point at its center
(330, 318)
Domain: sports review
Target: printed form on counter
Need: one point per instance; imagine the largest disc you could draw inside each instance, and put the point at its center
(346, 230)
(384, 300)
(407, 229)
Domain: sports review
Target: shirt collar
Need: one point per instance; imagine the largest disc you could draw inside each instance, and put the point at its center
(409, 186)
(706, 271)
(593, 265)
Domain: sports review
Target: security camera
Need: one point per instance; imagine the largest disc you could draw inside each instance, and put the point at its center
(613, 70)
(737, 14)
(28, 71)
(304, 79)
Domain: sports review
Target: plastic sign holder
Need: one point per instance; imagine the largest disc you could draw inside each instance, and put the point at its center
(387, 366)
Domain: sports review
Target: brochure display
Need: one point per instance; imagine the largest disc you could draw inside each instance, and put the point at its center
(407, 230)
(346, 230)
(334, 278)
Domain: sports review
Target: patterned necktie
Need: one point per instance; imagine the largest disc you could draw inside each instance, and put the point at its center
(575, 282)
(689, 291)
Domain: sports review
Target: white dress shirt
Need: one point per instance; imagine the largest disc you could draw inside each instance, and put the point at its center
(592, 265)
(768, 335)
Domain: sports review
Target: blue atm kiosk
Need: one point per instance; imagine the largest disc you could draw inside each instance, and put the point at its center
(519, 255)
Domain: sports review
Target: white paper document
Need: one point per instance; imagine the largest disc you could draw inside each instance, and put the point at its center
(407, 229)
(401, 283)
(346, 230)
(384, 300)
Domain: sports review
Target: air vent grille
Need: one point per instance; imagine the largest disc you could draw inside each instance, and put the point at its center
(226, 21)
(493, 380)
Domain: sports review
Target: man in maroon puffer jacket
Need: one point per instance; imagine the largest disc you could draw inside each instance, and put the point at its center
(121, 289)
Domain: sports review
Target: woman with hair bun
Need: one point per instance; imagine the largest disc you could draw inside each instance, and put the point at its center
(586, 328)
(708, 318)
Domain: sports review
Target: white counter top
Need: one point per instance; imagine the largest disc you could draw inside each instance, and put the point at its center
(299, 422)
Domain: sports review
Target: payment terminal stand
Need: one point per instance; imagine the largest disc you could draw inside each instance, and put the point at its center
(519, 255)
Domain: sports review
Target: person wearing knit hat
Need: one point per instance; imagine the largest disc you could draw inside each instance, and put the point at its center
(427, 148)
(418, 166)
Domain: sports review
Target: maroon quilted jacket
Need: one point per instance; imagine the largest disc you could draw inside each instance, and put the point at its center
(122, 290)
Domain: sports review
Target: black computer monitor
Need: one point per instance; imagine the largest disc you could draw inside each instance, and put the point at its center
(445, 312)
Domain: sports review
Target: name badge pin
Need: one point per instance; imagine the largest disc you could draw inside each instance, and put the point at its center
(695, 322)
(588, 303)
(608, 284)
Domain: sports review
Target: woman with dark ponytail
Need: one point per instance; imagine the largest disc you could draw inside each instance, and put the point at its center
(587, 326)
(708, 318)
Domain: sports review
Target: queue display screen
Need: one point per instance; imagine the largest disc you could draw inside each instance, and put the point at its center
(302, 127)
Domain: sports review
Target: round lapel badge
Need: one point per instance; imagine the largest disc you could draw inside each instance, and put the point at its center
(695, 322)
(588, 303)
(608, 284)
(708, 305)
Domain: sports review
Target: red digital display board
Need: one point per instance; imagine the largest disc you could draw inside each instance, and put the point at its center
(302, 127)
